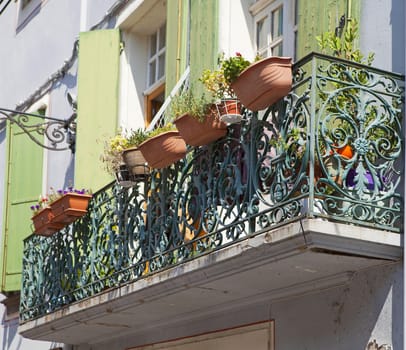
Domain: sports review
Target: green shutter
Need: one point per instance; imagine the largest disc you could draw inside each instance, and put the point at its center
(204, 36)
(319, 16)
(23, 187)
(98, 78)
(203, 39)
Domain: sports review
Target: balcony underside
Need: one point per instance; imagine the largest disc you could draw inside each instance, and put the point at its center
(304, 256)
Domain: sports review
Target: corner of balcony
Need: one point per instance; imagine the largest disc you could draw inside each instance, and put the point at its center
(295, 199)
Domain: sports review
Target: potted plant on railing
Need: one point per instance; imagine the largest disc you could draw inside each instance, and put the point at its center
(261, 83)
(123, 159)
(195, 118)
(163, 146)
(43, 218)
(225, 103)
(69, 205)
(58, 209)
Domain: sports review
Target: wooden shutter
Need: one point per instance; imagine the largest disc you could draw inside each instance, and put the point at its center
(23, 187)
(98, 78)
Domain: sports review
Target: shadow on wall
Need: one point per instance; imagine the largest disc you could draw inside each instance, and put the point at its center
(369, 306)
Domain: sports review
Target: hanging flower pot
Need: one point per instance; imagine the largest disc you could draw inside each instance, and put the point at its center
(229, 111)
(136, 163)
(70, 207)
(43, 223)
(163, 149)
(264, 82)
(199, 133)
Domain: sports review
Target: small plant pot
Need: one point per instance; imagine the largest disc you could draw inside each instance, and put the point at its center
(43, 223)
(196, 133)
(164, 149)
(229, 111)
(264, 82)
(135, 163)
(70, 207)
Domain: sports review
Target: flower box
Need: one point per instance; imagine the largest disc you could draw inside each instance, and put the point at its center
(44, 224)
(70, 207)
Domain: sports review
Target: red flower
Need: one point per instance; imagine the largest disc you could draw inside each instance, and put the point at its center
(238, 54)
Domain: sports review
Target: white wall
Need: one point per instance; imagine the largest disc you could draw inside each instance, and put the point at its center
(382, 31)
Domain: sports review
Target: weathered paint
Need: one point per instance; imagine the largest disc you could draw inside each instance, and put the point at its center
(203, 48)
(98, 74)
(312, 23)
(23, 186)
(203, 36)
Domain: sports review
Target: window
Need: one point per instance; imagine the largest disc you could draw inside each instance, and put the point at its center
(142, 72)
(155, 95)
(156, 61)
(274, 27)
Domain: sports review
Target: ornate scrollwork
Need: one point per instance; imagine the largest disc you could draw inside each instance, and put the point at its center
(278, 165)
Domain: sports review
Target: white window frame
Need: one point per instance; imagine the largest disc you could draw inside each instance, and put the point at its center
(154, 58)
(264, 8)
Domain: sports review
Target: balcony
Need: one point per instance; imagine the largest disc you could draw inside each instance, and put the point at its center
(294, 199)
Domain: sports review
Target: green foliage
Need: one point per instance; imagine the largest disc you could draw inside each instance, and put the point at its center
(344, 47)
(161, 130)
(114, 147)
(187, 102)
(218, 82)
(136, 137)
(233, 66)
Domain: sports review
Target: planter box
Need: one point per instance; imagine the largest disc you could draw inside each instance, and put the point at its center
(44, 224)
(196, 133)
(164, 149)
(70, 207)
(264, 82)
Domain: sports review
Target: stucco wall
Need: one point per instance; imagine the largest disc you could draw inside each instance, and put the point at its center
(368, 307)
(383, 32)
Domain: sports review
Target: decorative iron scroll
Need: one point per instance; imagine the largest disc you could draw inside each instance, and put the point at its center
(60, 134)
(275, 167)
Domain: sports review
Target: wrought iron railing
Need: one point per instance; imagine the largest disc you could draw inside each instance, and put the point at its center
(275, 167)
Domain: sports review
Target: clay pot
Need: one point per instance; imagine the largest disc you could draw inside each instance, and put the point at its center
(164, 149)
(264, 82)
(135, 162)
(196, 133)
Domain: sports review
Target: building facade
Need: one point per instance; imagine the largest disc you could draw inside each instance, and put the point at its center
(266, 238)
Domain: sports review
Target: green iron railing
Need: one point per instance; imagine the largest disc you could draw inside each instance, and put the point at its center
(276, 167)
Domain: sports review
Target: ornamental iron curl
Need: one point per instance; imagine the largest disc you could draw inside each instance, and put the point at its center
(277, 166)
(60, 134)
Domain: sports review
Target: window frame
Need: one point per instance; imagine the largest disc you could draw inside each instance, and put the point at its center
(262, 9)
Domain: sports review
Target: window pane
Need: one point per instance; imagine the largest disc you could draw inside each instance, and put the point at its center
(161, 66)
(152, 73)
(162, 37)
(262, 34)
(277, 23)
(277, 50)
(152, 43)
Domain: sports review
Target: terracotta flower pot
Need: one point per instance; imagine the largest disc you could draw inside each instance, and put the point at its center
(135, 162)
(164, 149)
(70, 207)
(229, 111)
(264, 82)
(196, 133)
(43, 223)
